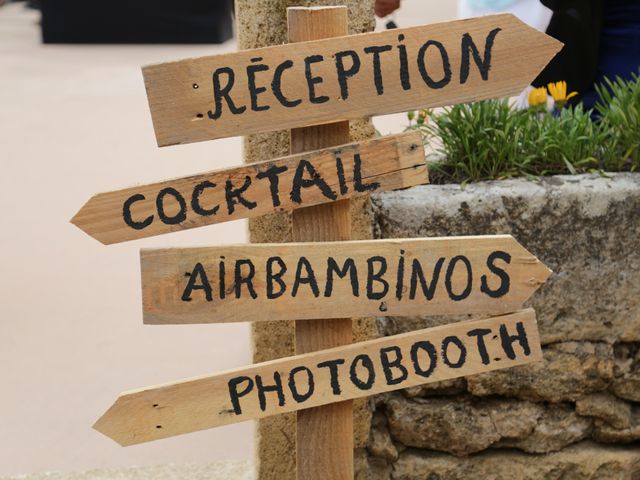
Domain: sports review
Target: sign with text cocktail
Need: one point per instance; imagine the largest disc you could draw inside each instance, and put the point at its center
(289, 183)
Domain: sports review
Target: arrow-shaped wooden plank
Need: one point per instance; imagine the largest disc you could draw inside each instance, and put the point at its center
(287, 86)
(288, 183)
(432, 276)
(323, 377)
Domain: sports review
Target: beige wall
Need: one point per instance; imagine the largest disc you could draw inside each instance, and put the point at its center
(74, 122)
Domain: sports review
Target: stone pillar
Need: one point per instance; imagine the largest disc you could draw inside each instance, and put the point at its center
(262, 23)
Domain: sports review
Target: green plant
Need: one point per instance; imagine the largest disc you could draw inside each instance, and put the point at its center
(567, 143)
(619, 107)
(491, 140)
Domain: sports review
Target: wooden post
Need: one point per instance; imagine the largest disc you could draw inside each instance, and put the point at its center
(324, 443)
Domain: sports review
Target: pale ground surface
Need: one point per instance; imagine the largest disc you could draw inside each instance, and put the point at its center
(73, 122)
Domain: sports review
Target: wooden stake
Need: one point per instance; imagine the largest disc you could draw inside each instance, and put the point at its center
(324, 446)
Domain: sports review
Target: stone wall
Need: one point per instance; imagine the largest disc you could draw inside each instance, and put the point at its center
(576, 415)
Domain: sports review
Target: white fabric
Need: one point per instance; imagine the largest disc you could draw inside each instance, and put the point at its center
(531, 12)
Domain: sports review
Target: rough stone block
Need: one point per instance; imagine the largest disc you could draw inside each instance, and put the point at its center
(586, 228)
(469, 425)
(606, 433)
(583, 461)
(607, 408)
(627, 382)
(568, 371)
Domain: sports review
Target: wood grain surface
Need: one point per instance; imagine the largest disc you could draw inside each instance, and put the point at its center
(297, 181)
(324, 377)
(324, 434)
(331, 79)
(261, 282)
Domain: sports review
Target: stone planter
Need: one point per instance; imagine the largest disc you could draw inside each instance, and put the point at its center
(576, 415)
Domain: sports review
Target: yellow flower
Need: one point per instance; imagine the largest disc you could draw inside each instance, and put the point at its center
(423, 116)
(558, 91)
(538, 97)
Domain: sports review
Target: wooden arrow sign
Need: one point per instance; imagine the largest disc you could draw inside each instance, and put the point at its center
(323, 81)
(323, 377)
(288, 183)
(433, 276)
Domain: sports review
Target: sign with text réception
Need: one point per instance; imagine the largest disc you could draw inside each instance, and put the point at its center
(323, 377)
(295, 281)
(343, 78)
(283, 184)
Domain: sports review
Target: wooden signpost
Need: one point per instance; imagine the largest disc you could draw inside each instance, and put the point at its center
(323, 377)
(431, 276)
(333, 79)
(298, 181)
(316, 79)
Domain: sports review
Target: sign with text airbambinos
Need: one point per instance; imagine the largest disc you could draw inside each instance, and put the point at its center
(344, 78)
(323, 377)
(288, 183)
(432, 276)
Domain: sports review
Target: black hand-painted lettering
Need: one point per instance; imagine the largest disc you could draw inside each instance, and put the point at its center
(220, 93)
(367, 364)
(507, 340)
(505, 280)
(234, 195)
(313, 81)
(293, 384)
(274, 181)
(275, 277)
(462, 358)
(178, 217)
(446, 65)
(126, 213)
(388, 365)
(239, 278)
(417, 275)
(376, 50)
(357, 177)
(430, 350)
(405, 79)
(221, 279)
(341, 180)
(469, 48)
(276, 85)
(254, 90)
(276, 387)
(449, 276)
(195, 199)
(376, 277)
(480, 333)
(349, 266)
(308, 279)
(299, 182)
(198, 273)
(400, 276)
(235, 395)
(343, 73)
(332, 365)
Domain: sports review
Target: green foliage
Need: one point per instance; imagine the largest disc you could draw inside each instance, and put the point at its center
(492, 140)
(619, 107)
